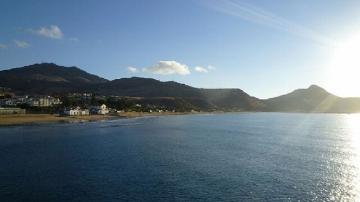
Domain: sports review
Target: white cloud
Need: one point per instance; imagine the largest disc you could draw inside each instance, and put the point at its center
(3, 46)
(204, 69)
(132, 69)
(53, 32)
(169, 67)
(201, 69)
(21, 44)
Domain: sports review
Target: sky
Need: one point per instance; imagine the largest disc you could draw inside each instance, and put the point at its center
(263, 47)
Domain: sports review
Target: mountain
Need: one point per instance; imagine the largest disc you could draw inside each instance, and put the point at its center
(47, 78)
(206, 99)
(146, 87)
(312, 99)
(229, 99)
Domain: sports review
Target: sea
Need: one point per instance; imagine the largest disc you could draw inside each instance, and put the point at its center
(205, 157)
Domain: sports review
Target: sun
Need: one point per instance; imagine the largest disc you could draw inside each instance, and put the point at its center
(344, 70)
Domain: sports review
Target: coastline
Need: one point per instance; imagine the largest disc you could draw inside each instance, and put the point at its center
(31, 119)
(28, 119)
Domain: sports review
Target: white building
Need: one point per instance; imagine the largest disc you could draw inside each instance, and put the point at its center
(76, 112)
(72, 112)
(85, 112)
(100, 109)
(44, 101)
(103, 110)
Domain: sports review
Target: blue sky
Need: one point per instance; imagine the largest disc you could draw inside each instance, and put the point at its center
(264, 47)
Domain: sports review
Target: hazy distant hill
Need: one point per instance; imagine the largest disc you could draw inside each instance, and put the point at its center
(49, 78)
(312, 99)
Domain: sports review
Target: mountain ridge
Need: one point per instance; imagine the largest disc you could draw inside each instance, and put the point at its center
(49, 78)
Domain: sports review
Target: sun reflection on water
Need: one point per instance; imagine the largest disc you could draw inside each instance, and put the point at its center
(353, 129)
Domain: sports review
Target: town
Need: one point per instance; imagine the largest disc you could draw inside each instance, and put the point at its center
(77, 104)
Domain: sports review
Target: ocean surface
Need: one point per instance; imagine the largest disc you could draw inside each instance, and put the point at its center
(222, 157)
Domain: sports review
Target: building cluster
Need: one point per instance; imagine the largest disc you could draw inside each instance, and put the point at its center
(78, 111)
(77, 104)
(44, 101)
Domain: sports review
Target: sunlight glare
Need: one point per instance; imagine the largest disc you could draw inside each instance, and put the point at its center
(344, 71)
(353, 125)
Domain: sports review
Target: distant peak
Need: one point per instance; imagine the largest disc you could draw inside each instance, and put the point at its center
(52, 66)
(138, 78)
(48, 63)
(315, 87)
(44, 64)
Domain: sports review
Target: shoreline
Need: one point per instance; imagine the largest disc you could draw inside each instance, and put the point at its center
(30, 119)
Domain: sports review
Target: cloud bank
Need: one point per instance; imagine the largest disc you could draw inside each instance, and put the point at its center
(53, 32)
(168, 67)
(21, 44)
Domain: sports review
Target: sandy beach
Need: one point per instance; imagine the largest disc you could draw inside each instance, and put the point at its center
(22, 119)
(6, 120)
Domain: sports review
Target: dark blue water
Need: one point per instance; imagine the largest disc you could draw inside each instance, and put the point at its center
(225, 157)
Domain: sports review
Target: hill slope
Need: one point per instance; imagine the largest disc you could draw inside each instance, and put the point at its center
(312, 99)
(47, 78)
(229, 99)
(206, 99)
(146, 87)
